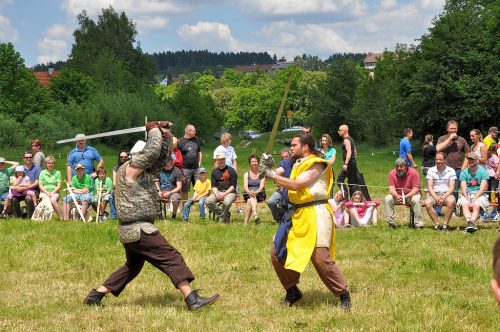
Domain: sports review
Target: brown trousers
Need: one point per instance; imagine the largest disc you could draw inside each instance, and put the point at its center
(327, 270)
(155, 249)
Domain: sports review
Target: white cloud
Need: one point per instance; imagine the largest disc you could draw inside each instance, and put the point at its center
(134, 7)
(309, 10)
(52, 50)
(290, 39)
(146, 23)
(7, 32)
(208, 35)
(388, 4)
(59, 31)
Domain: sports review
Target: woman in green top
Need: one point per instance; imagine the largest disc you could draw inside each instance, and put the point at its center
(50, 183)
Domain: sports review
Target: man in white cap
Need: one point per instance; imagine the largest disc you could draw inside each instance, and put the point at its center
(85, 155)
(224, 181)
(5, 173)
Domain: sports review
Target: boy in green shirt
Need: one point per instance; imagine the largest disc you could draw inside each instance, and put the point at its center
(102, 186)
(81, 185)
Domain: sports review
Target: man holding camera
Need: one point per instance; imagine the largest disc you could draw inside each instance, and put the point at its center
(456, 148)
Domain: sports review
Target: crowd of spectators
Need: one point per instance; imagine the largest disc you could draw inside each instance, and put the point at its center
(459, 178)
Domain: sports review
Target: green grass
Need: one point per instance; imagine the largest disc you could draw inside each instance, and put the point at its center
(400, 279)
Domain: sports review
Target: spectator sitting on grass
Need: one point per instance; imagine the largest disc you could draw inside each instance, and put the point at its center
(102, 187)
(362, 211)
(50, 182)
(473, 184)
(202, 189)
(81, 185)
(5, 173)
(169, 186)
(340, 214)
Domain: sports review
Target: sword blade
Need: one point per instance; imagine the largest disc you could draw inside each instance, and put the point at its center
(106, 134)
(272, 137)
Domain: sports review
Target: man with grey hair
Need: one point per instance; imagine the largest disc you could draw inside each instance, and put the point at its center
(85, 155)
(404, 189)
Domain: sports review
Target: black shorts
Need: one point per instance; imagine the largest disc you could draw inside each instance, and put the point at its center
(260, 196)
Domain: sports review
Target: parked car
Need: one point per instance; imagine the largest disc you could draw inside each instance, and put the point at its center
(294, 128)
(251, 134)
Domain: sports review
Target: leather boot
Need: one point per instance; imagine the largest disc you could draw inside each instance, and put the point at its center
(196, 302)
(293, 294)
(94, 297)
(345, 301)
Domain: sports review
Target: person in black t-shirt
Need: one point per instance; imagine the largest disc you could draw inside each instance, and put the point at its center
(349, 169)
(224, 181)
(190, 148)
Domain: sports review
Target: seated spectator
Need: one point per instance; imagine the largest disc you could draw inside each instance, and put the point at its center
(279, 199)
(33, 172)
(254, 189)
(202, 188)
(38, 156)
(473, 184)
(495, 282)
(50, 183)
(169, 186)
(493, 168)
(20, 188)
(103, 185)
(81, 185)
(441, 184)
(123, 156)
(5, 174)
(362, 211)
(340, 214)
(404, 188)
(224, 181)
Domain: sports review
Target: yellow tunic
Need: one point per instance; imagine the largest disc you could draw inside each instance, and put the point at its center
(303, 234)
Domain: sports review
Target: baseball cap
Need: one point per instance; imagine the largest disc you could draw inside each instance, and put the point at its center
(493, 130)
(2, 159)
(77, 166)
(202, 170)
(472, 156)
(220, 156)
(79, 137)
(19, 169)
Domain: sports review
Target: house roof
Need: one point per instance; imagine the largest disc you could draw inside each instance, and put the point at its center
(44, 78)
(373, 57)
(253, 68)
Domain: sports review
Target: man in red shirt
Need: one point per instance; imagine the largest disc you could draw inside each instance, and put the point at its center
(404, 188)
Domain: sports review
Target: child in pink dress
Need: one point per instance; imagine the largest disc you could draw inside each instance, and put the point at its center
(362, 211)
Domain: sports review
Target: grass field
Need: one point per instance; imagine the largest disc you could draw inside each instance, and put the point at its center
(400, 279)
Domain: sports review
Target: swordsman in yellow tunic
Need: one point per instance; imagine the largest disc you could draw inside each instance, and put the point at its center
(312, 233)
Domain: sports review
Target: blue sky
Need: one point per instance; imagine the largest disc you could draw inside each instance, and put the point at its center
(41, 30)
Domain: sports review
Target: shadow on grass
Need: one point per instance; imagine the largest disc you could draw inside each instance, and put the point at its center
(319, 297)
(155, 300)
